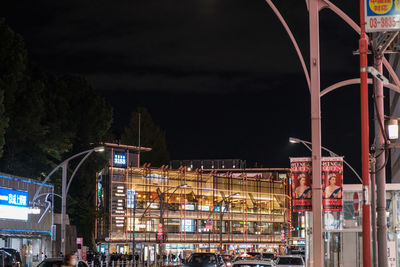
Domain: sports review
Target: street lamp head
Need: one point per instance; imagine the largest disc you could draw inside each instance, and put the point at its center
(99, 149)
(393, 129)
(183, 185)
(294, 140)
(235, 194)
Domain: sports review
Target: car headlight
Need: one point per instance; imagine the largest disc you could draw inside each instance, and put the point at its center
(228, 264)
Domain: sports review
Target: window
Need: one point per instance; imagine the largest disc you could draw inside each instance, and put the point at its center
(187, 225)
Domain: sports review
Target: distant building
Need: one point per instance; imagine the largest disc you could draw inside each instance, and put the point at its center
(254, 204)
(26, 225)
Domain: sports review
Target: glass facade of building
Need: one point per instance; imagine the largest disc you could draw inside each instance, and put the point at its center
(343, 230)
(248, 209)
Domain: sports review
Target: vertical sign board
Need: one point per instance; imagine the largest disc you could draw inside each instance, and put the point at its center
(332, 183)
(209, 224)
(13, 204)
(301, 169)
(382, 15)
(391, 253)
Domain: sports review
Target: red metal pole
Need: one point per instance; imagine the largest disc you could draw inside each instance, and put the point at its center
(366, 216)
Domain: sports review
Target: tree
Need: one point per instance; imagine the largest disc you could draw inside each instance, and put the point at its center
(151, 136)
(44, 119)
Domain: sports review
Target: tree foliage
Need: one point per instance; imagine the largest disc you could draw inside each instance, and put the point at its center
(45, 119)
(151, 136)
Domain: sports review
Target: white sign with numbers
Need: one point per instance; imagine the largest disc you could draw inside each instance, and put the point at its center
(391, 252)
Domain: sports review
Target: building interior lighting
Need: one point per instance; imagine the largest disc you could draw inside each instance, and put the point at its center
(120, 187)
(393, 129)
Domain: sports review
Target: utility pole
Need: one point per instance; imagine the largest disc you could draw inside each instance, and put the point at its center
(317, 244)
(380, 168)
(366, 211)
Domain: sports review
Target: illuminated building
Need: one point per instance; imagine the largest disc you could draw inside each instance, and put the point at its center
(25, 225)
(255, 212)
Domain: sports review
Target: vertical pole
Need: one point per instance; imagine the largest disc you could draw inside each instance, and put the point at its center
(221, 214)
(373, 214)
(162, 222)
(317, 256)
(134, 232)
(380, 170)
(138, 162)
(52, 223)
(63, 206)
(366, 215)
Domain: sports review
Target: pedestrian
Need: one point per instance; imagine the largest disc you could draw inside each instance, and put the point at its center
(69, 261)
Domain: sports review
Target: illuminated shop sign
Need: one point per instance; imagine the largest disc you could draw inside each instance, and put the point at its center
(218, 208)
(188, 207)
(204, 207)
(130, 200)
(120, 159)
(13, 204)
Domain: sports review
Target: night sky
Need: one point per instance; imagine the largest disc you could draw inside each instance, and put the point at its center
(221, 77)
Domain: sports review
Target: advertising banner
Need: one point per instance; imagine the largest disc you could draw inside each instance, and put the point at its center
(382, 15)
(332, 183)
(301, 170)
(13, 204)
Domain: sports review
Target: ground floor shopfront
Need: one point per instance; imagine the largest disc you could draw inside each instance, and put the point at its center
(342, 236)
(175, 251)
(30, 246)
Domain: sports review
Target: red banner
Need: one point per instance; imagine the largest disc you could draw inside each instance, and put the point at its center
(301, 170)
(332, 183)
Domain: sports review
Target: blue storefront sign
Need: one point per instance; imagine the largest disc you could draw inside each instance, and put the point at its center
(13, 204)
(120, 159)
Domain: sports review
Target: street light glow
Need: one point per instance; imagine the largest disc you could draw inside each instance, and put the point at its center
(393, 129)
(99, 149)
(294, 140)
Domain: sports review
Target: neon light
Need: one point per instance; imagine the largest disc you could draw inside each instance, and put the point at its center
(26, 231)
(24, 181)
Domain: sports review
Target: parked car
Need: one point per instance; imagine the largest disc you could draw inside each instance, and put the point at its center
(290, 260)
(244, 256)
(262, 255)
(204, 260)
(254, 263)
(57, 262)
(228, 259)
(10, 257)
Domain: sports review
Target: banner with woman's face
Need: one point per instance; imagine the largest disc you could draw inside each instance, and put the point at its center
(301, 170)
(332, 185)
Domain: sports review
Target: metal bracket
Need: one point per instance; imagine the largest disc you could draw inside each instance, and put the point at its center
(381, 42)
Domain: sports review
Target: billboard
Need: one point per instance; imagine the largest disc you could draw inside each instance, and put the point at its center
(13, 204)
(301, 170)
(382, 15)
(120, 159)
(332, 185)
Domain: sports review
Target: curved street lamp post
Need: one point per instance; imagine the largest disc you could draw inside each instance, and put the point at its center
(65, 186)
